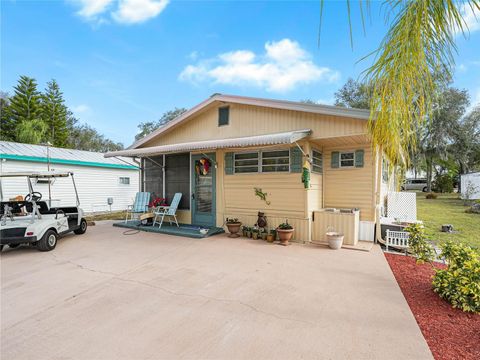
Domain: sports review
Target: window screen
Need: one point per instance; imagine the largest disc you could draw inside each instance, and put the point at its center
(177, 178)
(317, 161)
(153, 176)
(347, 159)
(223, 115)
(276, 161)
(125, 180)
(246, 162)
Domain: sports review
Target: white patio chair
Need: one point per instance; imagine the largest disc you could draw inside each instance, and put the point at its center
(170, 211)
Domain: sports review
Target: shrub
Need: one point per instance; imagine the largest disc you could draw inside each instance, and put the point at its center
(431, 196)
(459, 284)
(474, 209)
(443, 183)
(418, 244)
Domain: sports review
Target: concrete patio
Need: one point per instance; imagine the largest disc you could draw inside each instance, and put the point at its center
(105, 295)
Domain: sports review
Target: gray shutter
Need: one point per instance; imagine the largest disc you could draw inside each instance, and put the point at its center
(359, 154)
(335, 161)
(229, 163)
(295, 160)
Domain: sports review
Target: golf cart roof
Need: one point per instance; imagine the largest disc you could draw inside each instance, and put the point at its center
(37, 175)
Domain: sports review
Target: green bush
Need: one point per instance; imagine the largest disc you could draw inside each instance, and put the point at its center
(431, 196)
(459, 284)
(418, 244)
(443, 183)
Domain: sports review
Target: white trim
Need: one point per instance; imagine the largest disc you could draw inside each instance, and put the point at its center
(276, 104)
(340, 159)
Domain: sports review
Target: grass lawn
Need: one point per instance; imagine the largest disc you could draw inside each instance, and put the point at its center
(448, 209)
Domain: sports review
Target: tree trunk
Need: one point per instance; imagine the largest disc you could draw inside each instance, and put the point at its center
(429, 174)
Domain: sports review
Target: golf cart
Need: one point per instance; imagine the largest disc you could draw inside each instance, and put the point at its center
(34, 221)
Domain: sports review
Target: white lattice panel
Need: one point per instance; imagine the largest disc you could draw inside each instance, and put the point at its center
(402, 205)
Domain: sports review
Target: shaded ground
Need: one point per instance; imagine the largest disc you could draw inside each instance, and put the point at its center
(448, 209)
(450, 333)
(105, 295)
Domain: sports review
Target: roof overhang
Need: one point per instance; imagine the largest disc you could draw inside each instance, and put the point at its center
(259, 140)
(36, 175)
(269, 103)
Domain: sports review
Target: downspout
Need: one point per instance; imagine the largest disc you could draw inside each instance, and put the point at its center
(378, 226)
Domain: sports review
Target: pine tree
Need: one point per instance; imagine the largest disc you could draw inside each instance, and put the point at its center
(7, 127)
(25, 111)
(54, 114)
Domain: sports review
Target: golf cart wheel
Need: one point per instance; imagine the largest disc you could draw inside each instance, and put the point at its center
(48, 241)
(424, 189)
(1, 248)
(13, 246)
(82, 229)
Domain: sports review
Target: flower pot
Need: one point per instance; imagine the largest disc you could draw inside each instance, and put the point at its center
(249, 234)
(335, 240)
(270, 238)
(264, 236)
(255, 236)
(233, 229)
(285, 236)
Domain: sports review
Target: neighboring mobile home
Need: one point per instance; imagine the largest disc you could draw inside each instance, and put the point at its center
(258, 143)
(97, 178)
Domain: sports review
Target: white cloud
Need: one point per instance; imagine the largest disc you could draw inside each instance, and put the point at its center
(462, 68)
(471, 18)
(137, 11)
(90, 9)
(282, 67)
(81, 109)
(122, 11)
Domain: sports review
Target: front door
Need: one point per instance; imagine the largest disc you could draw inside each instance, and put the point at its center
(203, 190)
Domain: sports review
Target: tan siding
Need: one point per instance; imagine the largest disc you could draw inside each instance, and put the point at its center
(348, 188)
(252, 120)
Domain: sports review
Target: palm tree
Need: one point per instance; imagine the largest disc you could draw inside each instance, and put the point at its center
(418, 46)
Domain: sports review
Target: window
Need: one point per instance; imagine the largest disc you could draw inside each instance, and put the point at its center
(125, 180)
(246, 162)
(262, 161)
(317, 161)
(347, 159)
(223, 115)
(276, 161)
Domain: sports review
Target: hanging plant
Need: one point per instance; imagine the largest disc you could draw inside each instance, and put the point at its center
(202, 166)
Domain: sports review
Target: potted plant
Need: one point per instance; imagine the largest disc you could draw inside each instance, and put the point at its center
(285, 232)
(244, 230)
(249, 232)
(264, 234)
(335, 239)
(233, 226)
(271, 236)
(255, 234)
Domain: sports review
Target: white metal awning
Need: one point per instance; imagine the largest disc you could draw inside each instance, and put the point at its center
(258, 140)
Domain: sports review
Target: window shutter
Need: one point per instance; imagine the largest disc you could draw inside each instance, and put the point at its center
(229, 163)
(335, 161)
(359, 158)
(295, 160)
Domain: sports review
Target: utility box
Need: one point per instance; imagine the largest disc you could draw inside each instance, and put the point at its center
(346, 221)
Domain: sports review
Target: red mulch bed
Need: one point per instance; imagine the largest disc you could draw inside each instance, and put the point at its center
(450, 333)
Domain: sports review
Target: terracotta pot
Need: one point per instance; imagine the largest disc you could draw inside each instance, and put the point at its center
(335, 240)
(285, 236)
(270, 238)
(233, 229)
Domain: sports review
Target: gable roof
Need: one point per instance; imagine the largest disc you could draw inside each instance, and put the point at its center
(270, 103)
(38, 153)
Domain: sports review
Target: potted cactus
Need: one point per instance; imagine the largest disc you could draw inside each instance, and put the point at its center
(285, 232)
(255, 233)
(233, 226)
(264, 234)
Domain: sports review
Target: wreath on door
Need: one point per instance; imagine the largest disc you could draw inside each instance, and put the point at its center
(202, 166)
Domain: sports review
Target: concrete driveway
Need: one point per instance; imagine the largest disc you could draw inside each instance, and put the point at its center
(105, 295)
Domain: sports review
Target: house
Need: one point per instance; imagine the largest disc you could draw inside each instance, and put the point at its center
(221, 151)
(470, 185)
(97, 178)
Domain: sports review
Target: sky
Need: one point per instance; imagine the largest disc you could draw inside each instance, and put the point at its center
(123, 62)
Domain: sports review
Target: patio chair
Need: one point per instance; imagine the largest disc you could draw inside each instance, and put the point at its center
(170, 211)
(140, 205)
